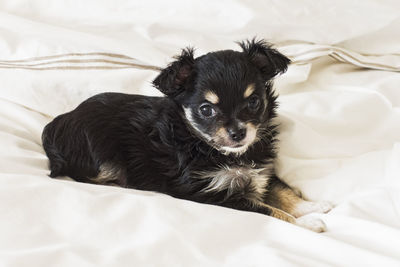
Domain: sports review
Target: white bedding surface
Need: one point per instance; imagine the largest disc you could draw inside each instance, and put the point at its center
(340, 140)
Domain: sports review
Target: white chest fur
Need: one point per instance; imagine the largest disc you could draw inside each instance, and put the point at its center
(237, 178)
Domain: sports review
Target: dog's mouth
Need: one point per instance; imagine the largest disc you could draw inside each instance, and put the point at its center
(237, 150)
(222, 142)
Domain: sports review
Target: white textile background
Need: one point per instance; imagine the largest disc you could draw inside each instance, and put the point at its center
(340, 139)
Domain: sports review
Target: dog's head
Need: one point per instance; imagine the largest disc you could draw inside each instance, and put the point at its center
(226, 96)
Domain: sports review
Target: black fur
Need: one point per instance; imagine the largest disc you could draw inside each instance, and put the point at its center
(150, 140)
(269, 61)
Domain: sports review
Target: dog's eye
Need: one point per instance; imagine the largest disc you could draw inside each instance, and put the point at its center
(254, 102)
(207, 110)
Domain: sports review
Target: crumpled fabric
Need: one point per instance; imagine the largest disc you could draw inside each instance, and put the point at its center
(339, 119)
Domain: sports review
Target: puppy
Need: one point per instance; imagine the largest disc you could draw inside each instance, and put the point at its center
(211, 139)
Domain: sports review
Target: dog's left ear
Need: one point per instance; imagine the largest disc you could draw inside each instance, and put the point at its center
(172, 79)
(268, 60)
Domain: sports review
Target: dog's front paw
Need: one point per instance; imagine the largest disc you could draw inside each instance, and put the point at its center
(311, 223)
(307, 207)
(320, 207)
(323, 206)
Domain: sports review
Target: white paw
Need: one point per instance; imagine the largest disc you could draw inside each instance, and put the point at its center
(323, 206)
(311, 223)
(307, 207)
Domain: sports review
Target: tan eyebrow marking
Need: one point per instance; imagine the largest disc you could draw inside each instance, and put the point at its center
(249, 90)
(211, 97)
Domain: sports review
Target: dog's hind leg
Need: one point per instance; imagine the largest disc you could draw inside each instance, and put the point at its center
(110, 174)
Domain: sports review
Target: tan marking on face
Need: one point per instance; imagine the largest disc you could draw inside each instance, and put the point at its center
(211, 97)
(251, 133)
(222, 133)
(249, 90)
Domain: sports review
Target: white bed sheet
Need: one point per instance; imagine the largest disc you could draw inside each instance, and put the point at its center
(340, 140)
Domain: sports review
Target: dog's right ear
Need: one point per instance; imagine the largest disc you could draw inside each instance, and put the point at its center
(172, 79)
(267, 59)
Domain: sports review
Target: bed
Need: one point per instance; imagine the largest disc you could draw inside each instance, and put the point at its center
(340, 132)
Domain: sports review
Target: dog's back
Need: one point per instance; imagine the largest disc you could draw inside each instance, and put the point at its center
(61, 146)
(81, 142)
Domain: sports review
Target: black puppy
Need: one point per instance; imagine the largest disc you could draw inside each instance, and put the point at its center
(210, 140)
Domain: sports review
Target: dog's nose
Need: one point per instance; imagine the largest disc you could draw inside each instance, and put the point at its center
(237, 134)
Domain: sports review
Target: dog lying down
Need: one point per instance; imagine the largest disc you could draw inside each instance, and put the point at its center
(211, 139)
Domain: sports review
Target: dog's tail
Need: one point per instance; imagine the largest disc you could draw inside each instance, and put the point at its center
(56, 162)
